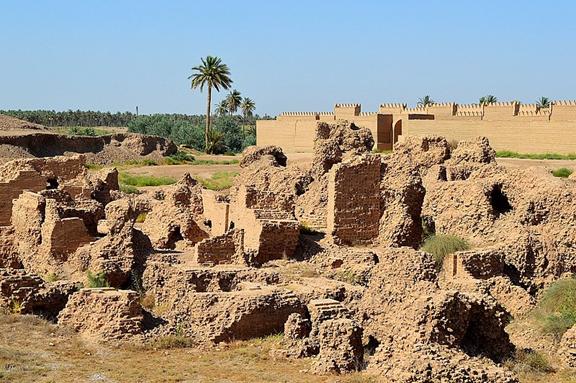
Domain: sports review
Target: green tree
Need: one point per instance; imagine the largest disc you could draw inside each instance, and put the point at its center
(248, 106)
(233, 100)
(425, 101)
(489, 99)
(543, 102)
(222, 108)
(212, 73)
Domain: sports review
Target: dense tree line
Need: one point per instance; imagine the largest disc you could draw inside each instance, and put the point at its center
(72, 117)
(228, 133)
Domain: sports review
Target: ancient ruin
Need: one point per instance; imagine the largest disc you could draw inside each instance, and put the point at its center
(216, 267)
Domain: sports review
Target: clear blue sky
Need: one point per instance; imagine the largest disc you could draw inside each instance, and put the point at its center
(286, 55)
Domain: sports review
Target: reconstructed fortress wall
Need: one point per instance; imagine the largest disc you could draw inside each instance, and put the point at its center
(295, 131)
(508, 125)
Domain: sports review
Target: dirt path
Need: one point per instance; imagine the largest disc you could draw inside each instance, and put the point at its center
(178, 171)
(525, 163)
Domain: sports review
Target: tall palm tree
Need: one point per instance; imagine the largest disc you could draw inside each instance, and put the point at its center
(247, 107)
(425, 101)
(490, 99)
(234, 99)
(543, 102)
(211, 74)
(222, 108)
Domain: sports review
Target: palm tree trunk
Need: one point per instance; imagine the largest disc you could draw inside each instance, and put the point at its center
(207, 119)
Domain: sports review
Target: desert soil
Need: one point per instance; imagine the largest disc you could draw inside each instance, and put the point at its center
(33, 350)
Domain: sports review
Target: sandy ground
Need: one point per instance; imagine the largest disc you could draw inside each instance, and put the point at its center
(548, 164)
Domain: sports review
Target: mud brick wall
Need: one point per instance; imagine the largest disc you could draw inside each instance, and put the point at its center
(278, 239)
(105, 313)
(223, 249)
(479, 264)
(8, 251)
(11, 189)
(354, 200)
(16, 285)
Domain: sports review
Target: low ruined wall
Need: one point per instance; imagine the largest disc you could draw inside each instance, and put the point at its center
(525, 136)
(354, 200)
(223, 249)
(49, 145)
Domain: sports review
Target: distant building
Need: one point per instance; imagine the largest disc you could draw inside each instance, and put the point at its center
(508, 125)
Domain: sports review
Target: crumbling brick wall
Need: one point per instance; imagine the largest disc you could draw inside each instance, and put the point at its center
(62, 236)
(270, 230)
(104, 313)
(479, 264)
(353, 200)
(223, 249)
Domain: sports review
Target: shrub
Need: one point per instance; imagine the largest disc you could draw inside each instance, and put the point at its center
(77, 131)
(52, 277)
(179, 158)
(440, 245)
(128, 189)
(96, 280)
(556, 311)
(172, 341)
(141, 217)
(529, 361)
(305, 228)
(562, 172)
(15, 306)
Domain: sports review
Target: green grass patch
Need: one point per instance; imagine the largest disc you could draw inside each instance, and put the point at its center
(556, 311)
(529, 361)
(96, 280)
(562, 172)
(535, 156)
(129, 189)
(218, 181)
(83, 131)
(440, 245)
(179, 158)
(51, 277)
(169, 342)
(139, 180)
(215, 162)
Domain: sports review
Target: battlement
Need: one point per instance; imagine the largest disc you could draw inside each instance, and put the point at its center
(560, 110)
(291, 114)
(502, 104)
(393, 105)
(416, 110)
(564, 103)
(347, 106)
